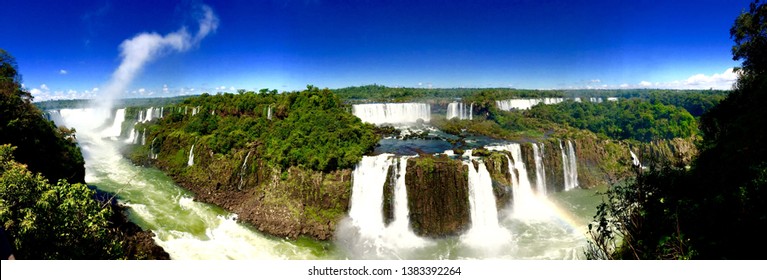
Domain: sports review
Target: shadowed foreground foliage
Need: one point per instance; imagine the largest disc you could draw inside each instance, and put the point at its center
(718, 208)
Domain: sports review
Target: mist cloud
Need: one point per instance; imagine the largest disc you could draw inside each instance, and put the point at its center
(136, 52)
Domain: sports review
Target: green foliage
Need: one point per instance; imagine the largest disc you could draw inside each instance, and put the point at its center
(52, 221)
(311, 128)
(718, 208)
(629, 119)
(40, 144)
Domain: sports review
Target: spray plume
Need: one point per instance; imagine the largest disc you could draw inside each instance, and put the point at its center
(136, 52)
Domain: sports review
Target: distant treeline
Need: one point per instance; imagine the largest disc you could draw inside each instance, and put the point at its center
(128, 102)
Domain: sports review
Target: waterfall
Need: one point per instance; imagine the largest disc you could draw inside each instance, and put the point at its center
(366, 206)
(143, 137)
(525, 103)
(392, 113)
(540, 169)
(149, 114)
(116, 129)
(162, 109)
(485, 231)
(140, 116)
(484, 214)
(634, 159)
(366, 220)
(190, 162)
(132, 137)
(569, 165)
(525, 203)
(459, 110)
(401, 220)
(242, 170)
(269, 113)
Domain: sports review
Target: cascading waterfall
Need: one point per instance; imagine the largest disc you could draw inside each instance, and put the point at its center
(190, 162)
(392, 113)
(485, 231)
(460, 111)
(186, 229)
(540, 169)
(132, 137)
(365, 228)
(635, 159)
(524, 202)
(242, 170)
(116, 128)
(401, 223)
(524, 104)
(149, 114)
(162, 111)
(143, 137)
(569, 165)
(269, 113)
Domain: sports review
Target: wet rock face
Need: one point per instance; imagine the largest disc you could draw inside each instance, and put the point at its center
(438, 196)
(497, 165)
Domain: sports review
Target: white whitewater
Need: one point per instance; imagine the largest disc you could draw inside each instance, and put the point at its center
(569, 165)
(392, 113)
(242, 170)
(190, 161)
(149, 114)
(186, 229)
(132, 137)
(143, 137)
(116, 128)
(460, 110)
(485, 232)
(525, 204)
(524, 103)
(365, 232)
(635, 159)
(540, 169)
(269, 113)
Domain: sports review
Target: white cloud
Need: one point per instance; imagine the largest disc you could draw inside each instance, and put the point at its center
(596, 81)
(624, 86)
(141, 91)
(231, 88)
(722, 81)
(44, 87)
(63, 72)
(145, 47)
(165, 89)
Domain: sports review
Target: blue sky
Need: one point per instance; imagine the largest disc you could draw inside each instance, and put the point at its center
(73, 48)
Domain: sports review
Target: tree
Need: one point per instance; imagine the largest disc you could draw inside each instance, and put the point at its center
(751, 39)
(717, 208)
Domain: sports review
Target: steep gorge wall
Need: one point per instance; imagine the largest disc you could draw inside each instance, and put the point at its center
(290, 203)
(438, 196)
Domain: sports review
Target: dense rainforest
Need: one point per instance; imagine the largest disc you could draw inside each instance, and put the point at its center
(717, 208)
(311, 128)
(46, 210)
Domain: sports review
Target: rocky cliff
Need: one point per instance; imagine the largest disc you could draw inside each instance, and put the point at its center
(438, 195)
